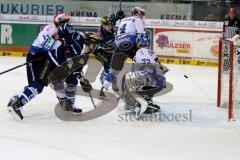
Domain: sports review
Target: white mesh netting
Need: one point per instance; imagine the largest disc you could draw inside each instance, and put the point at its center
(236, 82)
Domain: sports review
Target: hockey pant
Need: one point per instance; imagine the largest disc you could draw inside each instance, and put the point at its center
(38, 70)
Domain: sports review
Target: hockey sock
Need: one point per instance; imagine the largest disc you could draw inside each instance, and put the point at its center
(59, 90)
(27, 95)
(71, 92)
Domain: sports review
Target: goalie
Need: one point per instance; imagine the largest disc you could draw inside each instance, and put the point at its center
(145, 79)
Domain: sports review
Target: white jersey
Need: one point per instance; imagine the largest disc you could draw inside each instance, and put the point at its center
(145, 71)
(131, 26)
(145, 59)
(145, 55)
(47, 33)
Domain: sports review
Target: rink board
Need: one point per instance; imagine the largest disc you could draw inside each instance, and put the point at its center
(164, 60)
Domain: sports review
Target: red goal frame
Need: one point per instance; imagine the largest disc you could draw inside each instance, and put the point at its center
(231, 58)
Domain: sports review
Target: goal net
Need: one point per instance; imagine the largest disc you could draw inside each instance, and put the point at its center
(229, 78)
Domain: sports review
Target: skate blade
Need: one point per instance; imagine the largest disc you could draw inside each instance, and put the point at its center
(75, 113)
(102, 97)
(117, 96)
(154, 113)
(13, 114)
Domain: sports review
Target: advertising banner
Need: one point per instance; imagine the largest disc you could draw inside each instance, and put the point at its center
(206, 25)
(17, 38)
(184, 43)
(94, 8)
(176, 42)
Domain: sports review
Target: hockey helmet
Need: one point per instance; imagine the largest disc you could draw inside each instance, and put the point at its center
(106, 21)
(138, 11)
(92, 38)
(143, 40)
(61, 18)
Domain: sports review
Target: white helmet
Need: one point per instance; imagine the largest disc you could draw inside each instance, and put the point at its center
(137, 11)
(61, 18)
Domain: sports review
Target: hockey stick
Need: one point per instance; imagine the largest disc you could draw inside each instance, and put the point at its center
(21, 65)
(14, 68)
(92, 100)
(120, 5)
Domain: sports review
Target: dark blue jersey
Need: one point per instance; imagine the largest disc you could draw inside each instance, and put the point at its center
(107, 38)
(74, 40)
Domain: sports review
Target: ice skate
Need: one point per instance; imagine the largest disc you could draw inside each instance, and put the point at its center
(69, 106)
(14, 106)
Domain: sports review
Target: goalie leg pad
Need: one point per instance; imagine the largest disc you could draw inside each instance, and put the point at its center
(133, 99)
(137, 95)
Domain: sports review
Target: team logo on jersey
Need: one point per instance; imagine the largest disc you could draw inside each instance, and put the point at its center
(162, 41)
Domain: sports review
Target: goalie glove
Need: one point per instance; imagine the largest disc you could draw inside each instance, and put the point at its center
(164, 69)
(86, 86)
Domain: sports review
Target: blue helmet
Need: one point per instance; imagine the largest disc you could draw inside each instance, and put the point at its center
(143, 40)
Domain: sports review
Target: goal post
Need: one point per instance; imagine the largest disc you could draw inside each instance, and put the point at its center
(229, 78)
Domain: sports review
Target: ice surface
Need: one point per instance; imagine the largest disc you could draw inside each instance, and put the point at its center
(41, 135)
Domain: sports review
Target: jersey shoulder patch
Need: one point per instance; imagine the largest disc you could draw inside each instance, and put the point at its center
(69, 29)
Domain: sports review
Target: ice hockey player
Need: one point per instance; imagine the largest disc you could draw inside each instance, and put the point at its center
(39, 65)
(125, 44)
(80, 44)
(144, 80)
(43, 51)
(106, 47)
(77, 43)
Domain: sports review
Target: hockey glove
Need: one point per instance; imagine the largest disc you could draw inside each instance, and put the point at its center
(63, 41)
(120, 15)
(164, 69)
(86, 86)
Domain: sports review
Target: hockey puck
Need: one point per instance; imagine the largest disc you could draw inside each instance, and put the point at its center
(185, 76)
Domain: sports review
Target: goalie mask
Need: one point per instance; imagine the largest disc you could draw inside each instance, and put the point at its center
(143, 41)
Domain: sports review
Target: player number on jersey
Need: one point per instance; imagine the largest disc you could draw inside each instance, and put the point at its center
(123, 28)
(146, 61)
